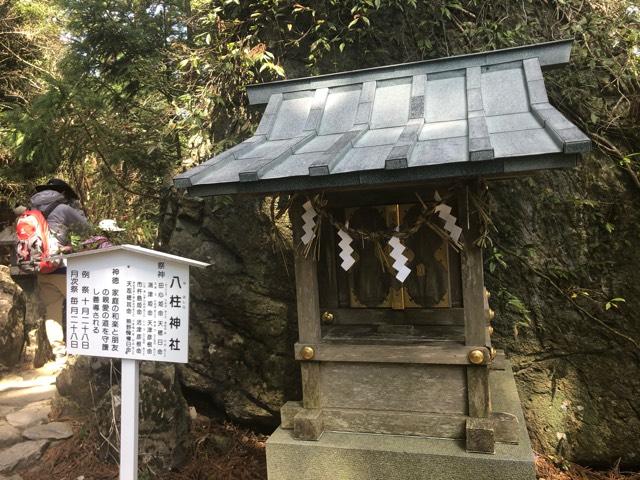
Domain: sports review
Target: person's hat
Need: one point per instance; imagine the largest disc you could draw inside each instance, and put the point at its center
(109, 225)
(58, 185)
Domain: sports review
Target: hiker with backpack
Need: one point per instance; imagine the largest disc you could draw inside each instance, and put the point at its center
(43, 234)
(43, 231)
(59, 205)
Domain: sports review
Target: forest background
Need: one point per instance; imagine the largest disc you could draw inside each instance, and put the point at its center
(118, 96)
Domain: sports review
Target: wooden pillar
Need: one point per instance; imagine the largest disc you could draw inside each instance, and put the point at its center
(307, 423)
(480, 434)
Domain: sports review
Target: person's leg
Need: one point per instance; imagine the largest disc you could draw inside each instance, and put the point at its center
(53, 292)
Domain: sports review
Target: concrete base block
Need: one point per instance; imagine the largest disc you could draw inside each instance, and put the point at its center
(480, 435)
(355, 456)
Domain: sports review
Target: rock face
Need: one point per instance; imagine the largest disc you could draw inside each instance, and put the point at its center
(84, 380)
(164, 417)
(568, 240)
(164, 439)
(43, 353)
(242, 320)
(12, 477)
(12, 319)
(35, 309)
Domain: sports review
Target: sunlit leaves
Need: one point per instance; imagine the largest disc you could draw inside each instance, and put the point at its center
(614, 303)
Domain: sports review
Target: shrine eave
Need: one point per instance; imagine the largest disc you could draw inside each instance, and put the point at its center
(484, 114)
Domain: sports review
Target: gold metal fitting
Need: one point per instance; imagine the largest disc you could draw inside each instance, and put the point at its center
(493, 353)
(491, 314)
(307, 353)
(487, 293)
(476, 357)
(490, 330)
(327, 317)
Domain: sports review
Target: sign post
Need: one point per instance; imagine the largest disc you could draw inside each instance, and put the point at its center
(129, 408)
(131, 303)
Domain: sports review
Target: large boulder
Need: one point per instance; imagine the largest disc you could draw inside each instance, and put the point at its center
(35, 308)
(12, 319)
(164, 423)
(43, 351)
(91, 383)
(569, 246)
(84, 381)
(242, 324)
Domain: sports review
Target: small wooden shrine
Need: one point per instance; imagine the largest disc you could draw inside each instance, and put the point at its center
(385, 170)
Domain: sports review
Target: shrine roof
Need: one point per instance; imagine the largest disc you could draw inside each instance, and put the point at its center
(480, 114)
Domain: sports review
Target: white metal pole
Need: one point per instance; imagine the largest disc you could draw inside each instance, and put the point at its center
(129, 420)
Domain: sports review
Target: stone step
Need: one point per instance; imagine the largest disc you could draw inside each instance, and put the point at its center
(6, 410)
(19, 382)
(23, 396)
(32, 414)
(9, 435)
(7, 382)
(21, 454)
(49, 431)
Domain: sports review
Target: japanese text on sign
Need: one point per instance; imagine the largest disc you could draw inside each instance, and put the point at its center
(134, 308)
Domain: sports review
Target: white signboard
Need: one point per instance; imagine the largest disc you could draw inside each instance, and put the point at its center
(131, 303)
(123, 304)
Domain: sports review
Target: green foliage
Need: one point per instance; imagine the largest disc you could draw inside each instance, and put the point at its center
(516, 306)
(121, 95)
(495, 260)
(27, 45)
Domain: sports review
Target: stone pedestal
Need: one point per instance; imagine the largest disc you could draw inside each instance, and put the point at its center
(353, 456)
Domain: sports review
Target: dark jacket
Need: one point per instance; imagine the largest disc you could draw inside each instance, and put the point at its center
(63, 217)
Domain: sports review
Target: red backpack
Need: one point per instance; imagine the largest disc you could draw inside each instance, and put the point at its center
(36, 244)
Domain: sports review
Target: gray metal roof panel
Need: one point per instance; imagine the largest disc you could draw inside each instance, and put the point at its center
(391, 103)
(364, 158)
(442, 150)
(504, 92)
(291, 117)
(446, 99)
(340, 110)
(523, 142)
(380, 136)
(434, 131)
(321, 143)
(550, 54)
(512, 122)
(414, 117)
(297, 166)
